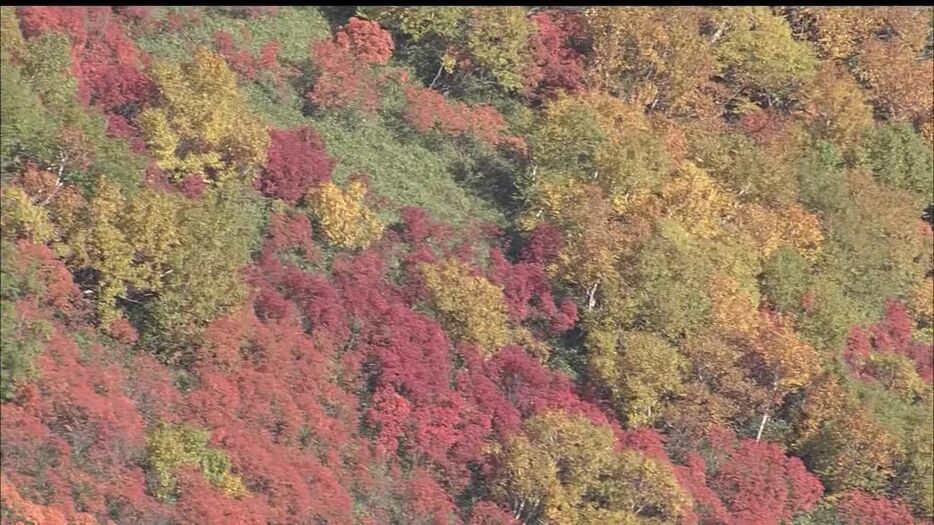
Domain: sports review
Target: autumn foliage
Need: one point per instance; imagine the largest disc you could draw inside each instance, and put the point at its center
(466, 265)
(295, 162)
(859, 508)
(342, 81)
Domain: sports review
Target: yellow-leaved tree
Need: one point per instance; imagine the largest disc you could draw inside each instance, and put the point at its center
(645, 370)
(472, 307)
(772, 228)
(600, 140)
(343, 215)
(201, 125)
(498, 42)
(155, 232)
(824, 400)
(21, 217)
(759, 55)
(98, 241)
(840, 107)
(837, 32)
(593, 239)
(780, 361)
(654, 58)
(177, 258)
(699, 203)
(565, 469)
(171, 447)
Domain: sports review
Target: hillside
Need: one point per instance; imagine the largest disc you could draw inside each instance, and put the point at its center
(474, 266)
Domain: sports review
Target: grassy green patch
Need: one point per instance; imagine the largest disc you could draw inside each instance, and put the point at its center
(294, 28)
(405, 173)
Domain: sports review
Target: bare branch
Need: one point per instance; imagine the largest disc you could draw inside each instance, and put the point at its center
(718, 34)
(591, 299)
(765, 418)
(437, 76)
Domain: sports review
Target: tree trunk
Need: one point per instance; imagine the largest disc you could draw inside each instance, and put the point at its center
(717, 34)
(765, 418)
(591, 300)
(437, 75)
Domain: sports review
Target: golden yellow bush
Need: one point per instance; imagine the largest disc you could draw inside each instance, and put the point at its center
(472, 307)
(343, 216)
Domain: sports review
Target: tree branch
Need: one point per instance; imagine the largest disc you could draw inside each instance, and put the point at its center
(718, 33)
(62, 159)
(437, 75)
(591, 300)
(765, 418)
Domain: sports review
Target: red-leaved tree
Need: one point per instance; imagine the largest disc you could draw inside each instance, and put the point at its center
(296, 161)
(555, 64)
(859, 508)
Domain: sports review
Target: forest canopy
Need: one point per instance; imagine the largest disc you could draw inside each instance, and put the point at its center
(467, 265)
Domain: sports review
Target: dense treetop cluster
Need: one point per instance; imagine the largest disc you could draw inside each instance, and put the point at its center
(474, 266)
